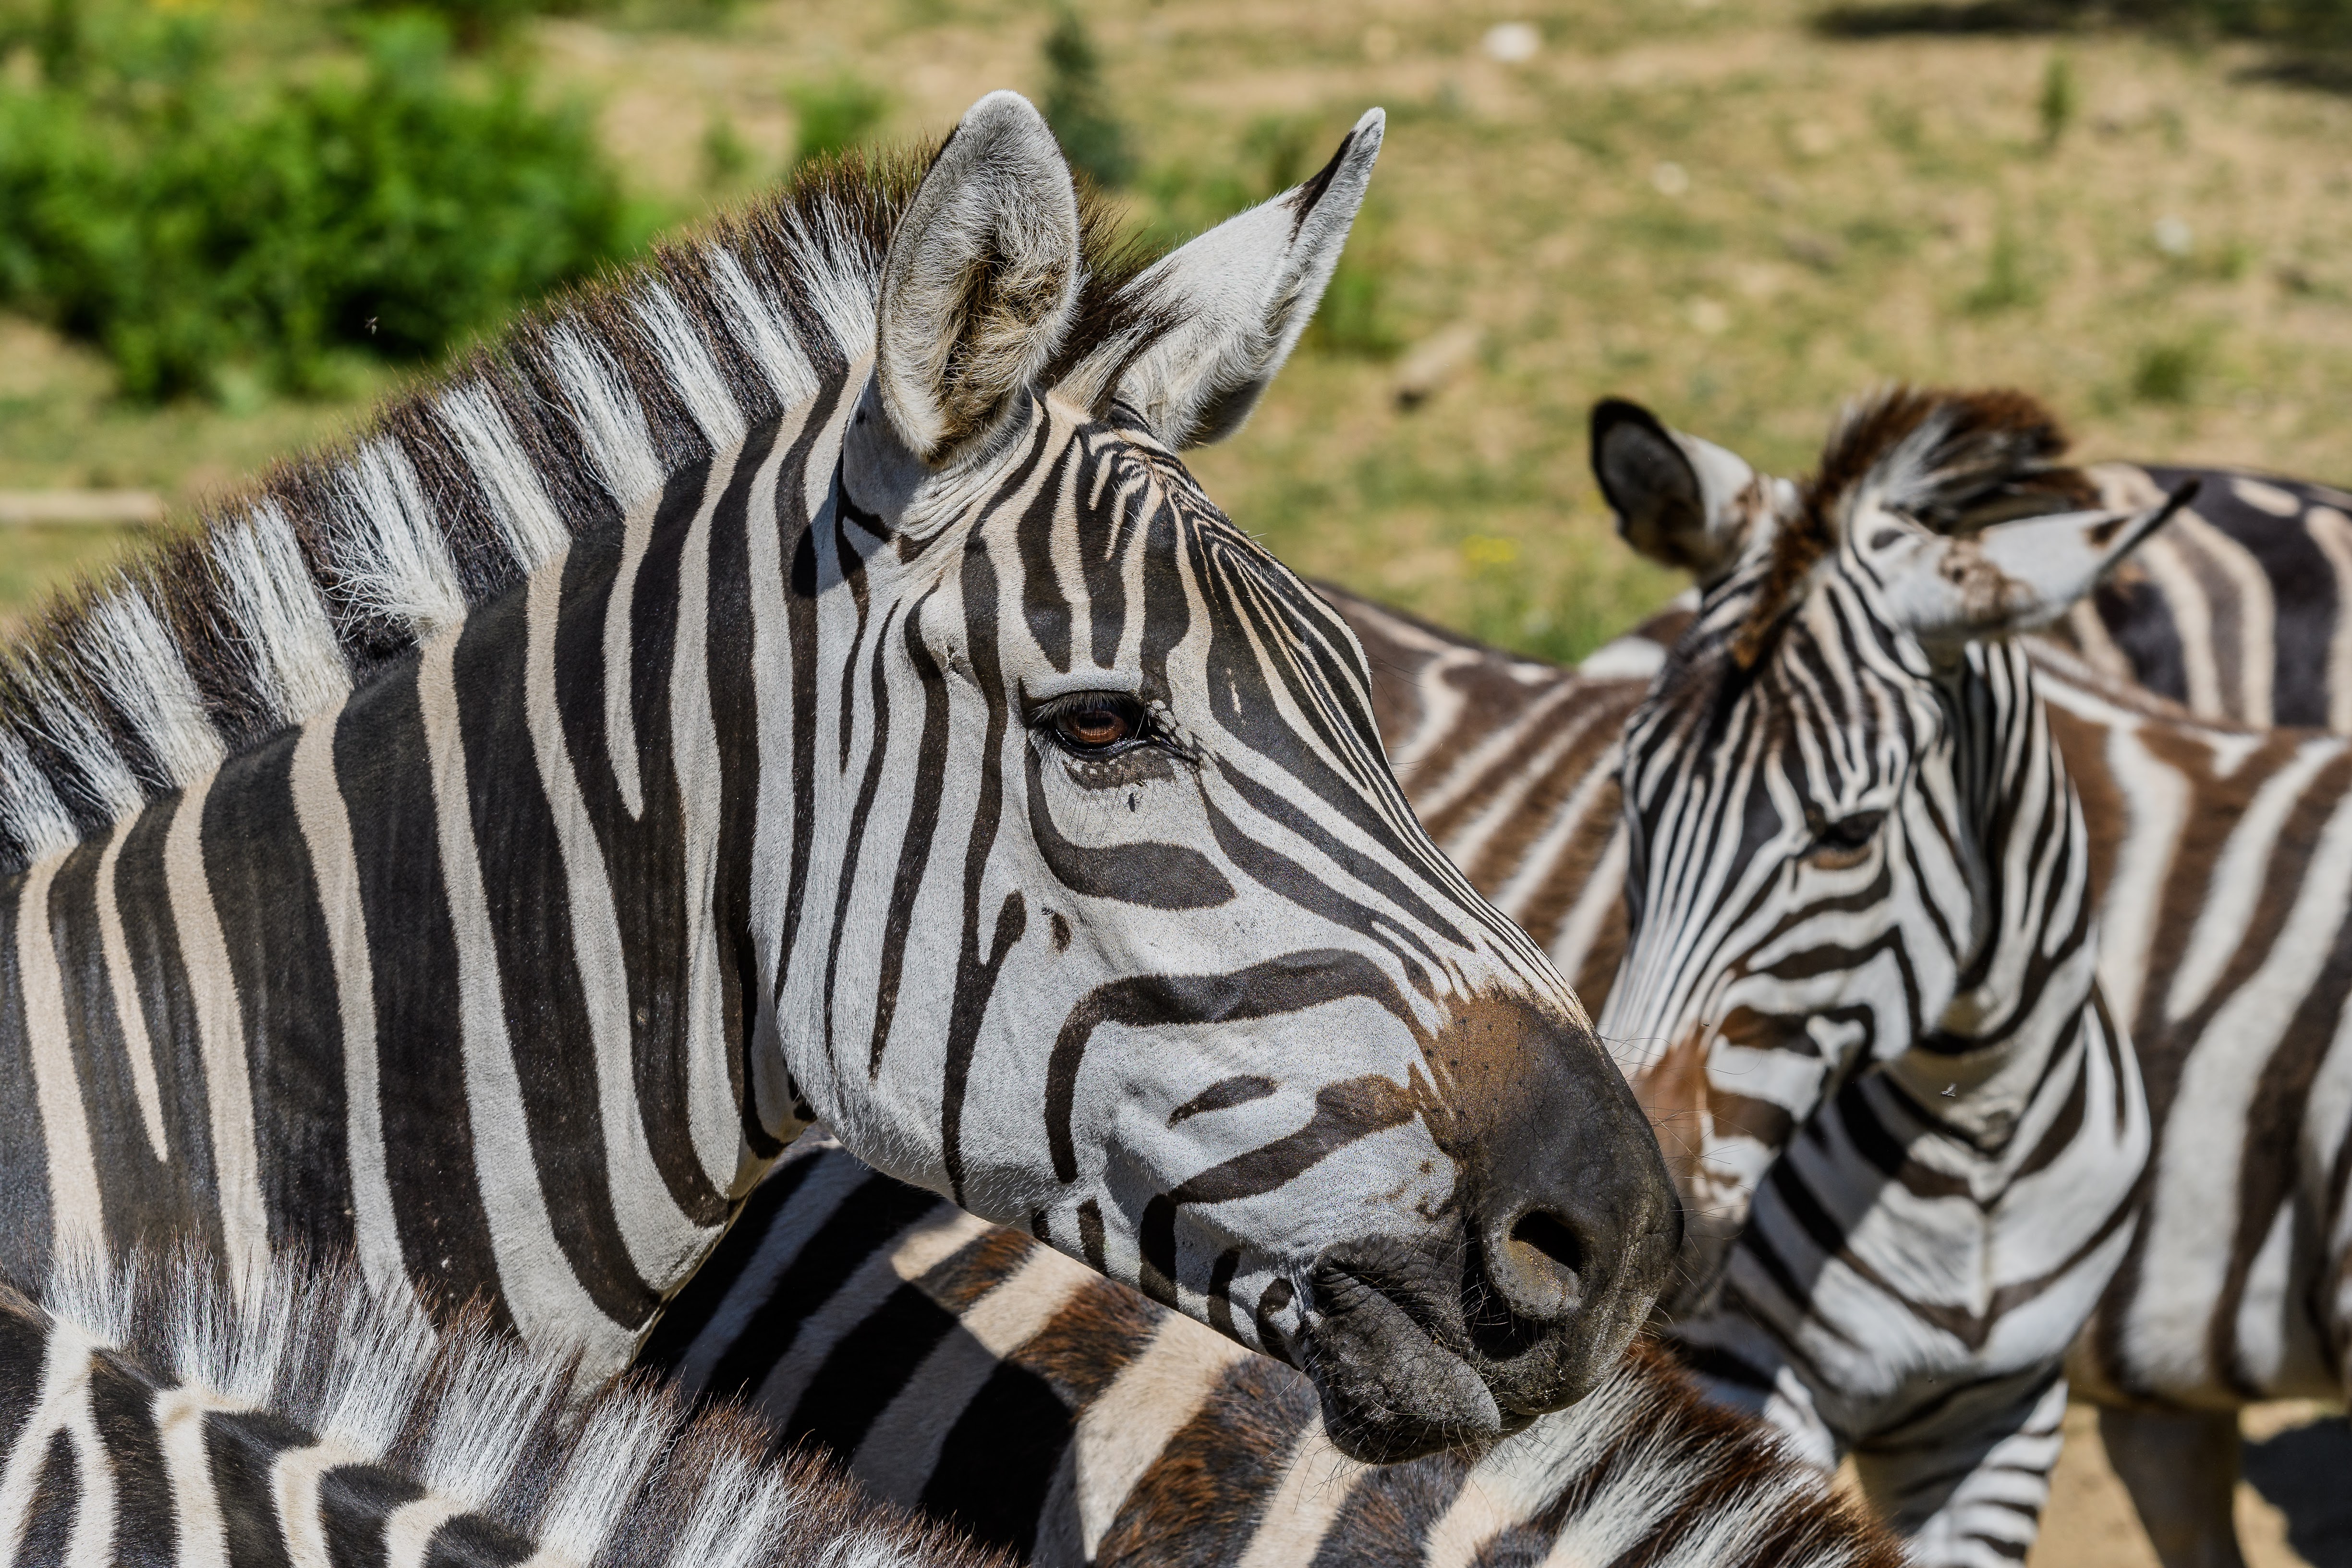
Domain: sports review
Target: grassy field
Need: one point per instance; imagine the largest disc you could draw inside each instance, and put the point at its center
(1711, 206)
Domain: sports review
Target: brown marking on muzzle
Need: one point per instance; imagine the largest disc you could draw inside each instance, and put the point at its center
(1672, 1094)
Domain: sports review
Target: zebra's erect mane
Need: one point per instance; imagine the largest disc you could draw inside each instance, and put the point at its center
(630, 1474)
(1953, 461)
(291, 591)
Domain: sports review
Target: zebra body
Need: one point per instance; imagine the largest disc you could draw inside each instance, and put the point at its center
(148, 1414)
(960, 1369)
(801, 680)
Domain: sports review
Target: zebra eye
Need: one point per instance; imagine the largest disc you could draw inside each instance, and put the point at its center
(1095, 723)
(1844, 841)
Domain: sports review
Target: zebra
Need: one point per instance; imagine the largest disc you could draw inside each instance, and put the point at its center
(151, 1414)
(960, 1369)
(1511, 765)
(800, 679)
(2236, 611)
(1859, 994)
(2227, 945)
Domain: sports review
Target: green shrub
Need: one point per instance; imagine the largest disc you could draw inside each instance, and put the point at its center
(1091, 136)
(2168, 372)
(834, 116)
(186, 227)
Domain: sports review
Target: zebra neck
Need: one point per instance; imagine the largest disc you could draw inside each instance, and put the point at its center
(2031, 981)
(465, 977)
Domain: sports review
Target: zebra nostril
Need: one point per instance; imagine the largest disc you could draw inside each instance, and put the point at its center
(1546, 1258)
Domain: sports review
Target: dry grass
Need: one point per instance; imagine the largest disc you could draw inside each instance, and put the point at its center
(1704, 206)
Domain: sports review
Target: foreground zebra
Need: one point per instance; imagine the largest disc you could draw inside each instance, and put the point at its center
(800, 679)
(964, 1369)
(150, 1415)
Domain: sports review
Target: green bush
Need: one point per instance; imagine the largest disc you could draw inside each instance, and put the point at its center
(1090, 133)
(190, 228)
(834, 116)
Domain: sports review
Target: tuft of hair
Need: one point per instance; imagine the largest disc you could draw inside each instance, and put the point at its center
(1952, 460)
(280, 599)
(627, 1474)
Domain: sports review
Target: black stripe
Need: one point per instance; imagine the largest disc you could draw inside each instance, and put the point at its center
(428, 1140)
(258, 871)
(354, 1502)
(122, 1407)
(543, 993)
(241, 1448)
(690, 1310)
(56, 1504)
(24, 1154)
(866, 1222)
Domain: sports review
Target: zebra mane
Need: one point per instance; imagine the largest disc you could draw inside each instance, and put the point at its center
(1954, 462)
(628, 1475)
(288, 593)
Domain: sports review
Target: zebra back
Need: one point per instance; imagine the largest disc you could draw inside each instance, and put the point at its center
(311, 1422)
(963, 1370)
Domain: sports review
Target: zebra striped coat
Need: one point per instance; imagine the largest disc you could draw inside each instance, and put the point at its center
(2225, 945)
(150, 1415)
(1511, 765)
(801, 680)
(963, 1370)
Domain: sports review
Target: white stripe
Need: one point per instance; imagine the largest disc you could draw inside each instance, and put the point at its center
(297, 666)
(821, 1193)
(663, 1243)
(764, 334)
(2156, 804)
(131, 1017)
(220, 1033)
(65, 1385)
(611, 424)
(294, 1479)
(2240, 887)
(551, 1309)
(326, 825)
(929, 1242)
(188, 1472)
(713, 1112)
(901, 1448)
(77, 1222)
(408, 1532)
(772, 824)
(1316, 1482)
(1121, 1435)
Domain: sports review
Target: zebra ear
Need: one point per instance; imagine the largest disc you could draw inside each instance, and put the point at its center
(1682, 502)
(1240, 296)
(981, 280)
(2011, 578)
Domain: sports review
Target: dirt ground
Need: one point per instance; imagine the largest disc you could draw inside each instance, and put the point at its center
(2295, 1501)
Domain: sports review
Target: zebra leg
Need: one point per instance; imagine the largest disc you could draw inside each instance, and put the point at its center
(2181, 1470)
(1969, 1494)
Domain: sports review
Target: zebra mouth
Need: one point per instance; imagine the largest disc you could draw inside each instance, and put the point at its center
(1412, 1351)
(1391, 1389)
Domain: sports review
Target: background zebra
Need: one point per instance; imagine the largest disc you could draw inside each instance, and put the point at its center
(2227, 944)
(1859, 905)
(961, 1369)
(2214, 844)
(2236, 610)
(148, 1413)
(801, 679)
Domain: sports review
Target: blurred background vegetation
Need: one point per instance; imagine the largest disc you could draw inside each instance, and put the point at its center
(227, 225)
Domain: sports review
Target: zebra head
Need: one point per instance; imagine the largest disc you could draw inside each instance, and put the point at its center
(1850, 836)
(1155, 960)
